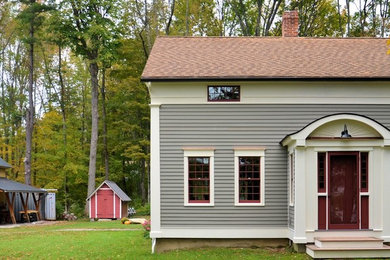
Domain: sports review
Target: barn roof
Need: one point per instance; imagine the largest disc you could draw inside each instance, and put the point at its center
(262, 58)
(118, 191)
(4, 164)
(13, 186)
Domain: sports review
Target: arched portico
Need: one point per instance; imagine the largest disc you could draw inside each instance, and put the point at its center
(339, 183)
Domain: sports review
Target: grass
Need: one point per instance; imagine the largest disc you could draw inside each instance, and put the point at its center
(53, 242)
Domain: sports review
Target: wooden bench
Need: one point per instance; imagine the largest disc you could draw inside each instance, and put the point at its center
(32, 214)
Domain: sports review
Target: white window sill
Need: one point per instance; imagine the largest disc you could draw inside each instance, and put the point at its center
(199, 204)
(249, 204)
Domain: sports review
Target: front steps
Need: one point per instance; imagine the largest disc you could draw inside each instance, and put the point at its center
(348, 247)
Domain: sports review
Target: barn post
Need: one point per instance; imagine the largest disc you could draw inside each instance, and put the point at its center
(25, 205)
(11, 206)
(37, 204)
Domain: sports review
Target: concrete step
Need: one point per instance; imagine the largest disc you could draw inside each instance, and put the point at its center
(347, 252)
(348, 242)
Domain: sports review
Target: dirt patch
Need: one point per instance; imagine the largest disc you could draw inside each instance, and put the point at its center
(98, 229)
(36, 223)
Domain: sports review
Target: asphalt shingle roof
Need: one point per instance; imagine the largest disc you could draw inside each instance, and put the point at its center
(118, 191)
(203, 58)
(13, 186)
(4, 164)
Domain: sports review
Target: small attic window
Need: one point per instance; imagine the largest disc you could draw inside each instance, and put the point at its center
(223, 93)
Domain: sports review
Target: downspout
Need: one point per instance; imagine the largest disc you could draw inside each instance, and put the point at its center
(154, 240)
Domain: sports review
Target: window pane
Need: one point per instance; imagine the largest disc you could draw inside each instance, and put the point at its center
(364, 172)
(249, 179)
(198, 179)
(321, 160)
(224, 93)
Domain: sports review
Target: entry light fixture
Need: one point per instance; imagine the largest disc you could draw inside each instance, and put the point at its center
(344, 134)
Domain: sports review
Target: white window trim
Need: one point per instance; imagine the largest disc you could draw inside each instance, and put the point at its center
(199, 152)
(249, 151)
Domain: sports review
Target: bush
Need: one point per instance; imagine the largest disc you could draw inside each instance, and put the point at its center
(143, 210)
(146, 226)
(78, 210)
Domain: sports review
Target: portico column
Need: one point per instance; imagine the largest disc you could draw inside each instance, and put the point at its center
(300, 196)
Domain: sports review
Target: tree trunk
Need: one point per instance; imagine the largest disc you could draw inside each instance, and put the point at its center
(93, 70)
(187, 18)
(30, 110)
(64, 128)
(104, 118)
(348, 19)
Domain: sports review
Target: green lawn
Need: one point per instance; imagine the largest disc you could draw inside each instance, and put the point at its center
(52, 242)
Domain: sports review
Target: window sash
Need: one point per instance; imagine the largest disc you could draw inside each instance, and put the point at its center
(321, 172)
(223, 93)
(249, 190)
(364, 172)
(198, 179)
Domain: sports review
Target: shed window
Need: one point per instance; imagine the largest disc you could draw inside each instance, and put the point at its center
(199, 179)
(223, 93)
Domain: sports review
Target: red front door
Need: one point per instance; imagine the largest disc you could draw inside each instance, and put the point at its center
(343, 191)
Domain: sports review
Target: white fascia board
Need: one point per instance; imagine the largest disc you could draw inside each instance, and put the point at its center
(275, 92)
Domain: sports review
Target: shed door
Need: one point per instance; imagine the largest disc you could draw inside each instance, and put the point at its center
(105, 207)
(343, 191)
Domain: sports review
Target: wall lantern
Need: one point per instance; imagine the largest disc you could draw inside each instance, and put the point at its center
(344, 134)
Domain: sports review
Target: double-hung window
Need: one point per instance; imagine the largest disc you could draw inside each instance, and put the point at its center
(198, 176)
(249, 176)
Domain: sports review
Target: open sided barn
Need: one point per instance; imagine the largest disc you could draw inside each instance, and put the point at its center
(108, 201)
(18, 201)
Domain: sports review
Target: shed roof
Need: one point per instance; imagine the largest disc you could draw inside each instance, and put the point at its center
(13, 186)
(261, 58)
(4, 164)
(118, 191)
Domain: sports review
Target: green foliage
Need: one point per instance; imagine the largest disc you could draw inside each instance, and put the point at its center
(319, 18)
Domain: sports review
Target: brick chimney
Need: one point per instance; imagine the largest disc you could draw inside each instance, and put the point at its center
(290, 23)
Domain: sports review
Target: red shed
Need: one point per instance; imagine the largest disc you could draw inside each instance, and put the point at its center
(108, 201)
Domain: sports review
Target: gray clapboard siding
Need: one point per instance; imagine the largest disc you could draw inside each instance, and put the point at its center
(291, 217)
(225, 126)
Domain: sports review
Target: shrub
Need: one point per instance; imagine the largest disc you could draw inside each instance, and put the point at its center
(146, 226)
(143, 210)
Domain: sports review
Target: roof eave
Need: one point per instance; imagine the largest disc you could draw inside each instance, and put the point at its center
(172, 79)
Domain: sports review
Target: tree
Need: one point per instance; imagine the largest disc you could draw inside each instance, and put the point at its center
(31, 15)
(319, 18)
(90, 29)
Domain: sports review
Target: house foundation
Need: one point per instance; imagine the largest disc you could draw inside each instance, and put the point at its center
(168, 244)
